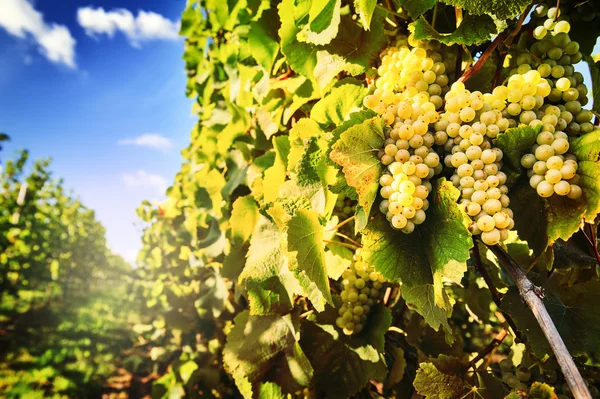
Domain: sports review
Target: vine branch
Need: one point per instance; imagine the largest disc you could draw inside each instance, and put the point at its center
(591, 239)
(474, 69)
(532, 296)
(496, 296)
(490, 347)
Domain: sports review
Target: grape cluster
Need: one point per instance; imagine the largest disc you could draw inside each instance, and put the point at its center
(363, 288)
(558, 53)
(551, 170)
(573, 11)
(559, 96)
(412, 80)
(471, 121)
(405, 194)
(522, 377)
(344, 207)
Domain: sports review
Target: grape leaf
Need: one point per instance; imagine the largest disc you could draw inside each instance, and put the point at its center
(417, 7)
(338, 259)
(269, 284)
(352, 52)
(276, 174)
(356, 152)
(335, 107)
(305, 236)
(263, 40)
(441, 379)
(270, 390)
(503, 9)
(365, 9)
(473, 30)
(540, 221)
(540, 390)
(515, 143)
(323, 22)
(253, 346)
(333, 360)
(437, 249)
(243, 219)
(573, 310)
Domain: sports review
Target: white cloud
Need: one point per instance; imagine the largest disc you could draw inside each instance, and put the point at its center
(142, 178)
(19, 18)
(145, 27)
(151, 140)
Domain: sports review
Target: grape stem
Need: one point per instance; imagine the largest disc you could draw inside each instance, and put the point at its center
(389, 10)
(532, 296)
(470, 72)
(337, 226)
(517, 29)
(496, 296)
(347, 238)
(489, 348)
(591, 239)
(342, 244)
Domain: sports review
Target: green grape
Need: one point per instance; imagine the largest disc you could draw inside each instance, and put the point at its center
(362, 286)
(523, 374)
(506, 365)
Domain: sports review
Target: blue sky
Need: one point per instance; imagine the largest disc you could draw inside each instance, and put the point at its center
(110, 108)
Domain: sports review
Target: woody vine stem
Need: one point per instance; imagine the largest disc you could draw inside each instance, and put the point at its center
(532, 296)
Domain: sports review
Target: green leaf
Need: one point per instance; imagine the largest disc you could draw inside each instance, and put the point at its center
(335, 108)
(441, 379)
(503, 9)
(573, 310)
(263, 40)
(276, 174)
(305, 128)
(438, 249)
(515, 143)
(356, 152)
(338, 259)
(540, 221)
(214, 184)
(365, 9)
(269, 283)
(333, 360)
(305, 236)
(323, 22)
(243, 219)
(473, 30)
(417, 7)
(540, 390)
(352, 52)
(254, 344)
(270, 390)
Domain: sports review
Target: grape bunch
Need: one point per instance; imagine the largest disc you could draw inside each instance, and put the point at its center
(344, 207)
(472, 120)
(558, 54)
(551, 97)
(363, 288)
(525, 376)
(551, 170)
(573, 11)
(413, 77)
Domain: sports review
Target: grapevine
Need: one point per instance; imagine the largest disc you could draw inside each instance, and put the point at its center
(379, 199)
